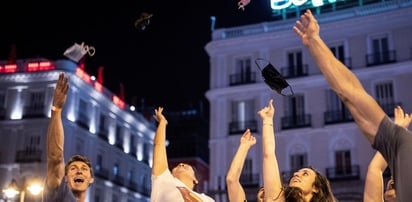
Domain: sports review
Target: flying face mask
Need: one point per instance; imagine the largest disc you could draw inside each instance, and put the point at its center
(273, 78)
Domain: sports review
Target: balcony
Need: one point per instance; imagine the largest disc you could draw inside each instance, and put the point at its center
(337, 116)
(242, 78)
(101, 172)
(240, 126)
(296, 121)
(132, 185)
(119, 180)
(294, 71)
(34, 112)
(380, 58)
(389, 107)
(28, 156)
(343, 173)
(250, 180)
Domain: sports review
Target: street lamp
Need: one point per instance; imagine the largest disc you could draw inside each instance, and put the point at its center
(34, 188)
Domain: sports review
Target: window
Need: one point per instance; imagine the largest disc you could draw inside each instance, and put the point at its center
(294, 111)
(385, 97)
(116, 169)
(119, 137)
(248, 177)
(243, 116)
(380, 50)
(298, 161)
(336, 111)
(35, 104)
(99, 163)
(2, 104)
(243, 71)
(295, 64)
(339, 51)
(343, 162)
(82, 114)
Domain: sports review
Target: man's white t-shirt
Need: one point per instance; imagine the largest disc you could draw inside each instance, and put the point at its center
(165, 189)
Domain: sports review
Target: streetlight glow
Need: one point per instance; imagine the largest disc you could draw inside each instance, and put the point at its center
(11, 190)
(35, 189)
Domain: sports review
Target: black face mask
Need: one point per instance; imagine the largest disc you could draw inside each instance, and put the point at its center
(274, 79)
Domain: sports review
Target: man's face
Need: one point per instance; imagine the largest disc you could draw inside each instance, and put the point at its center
(304, 179)
(78, 176)
(183, 170)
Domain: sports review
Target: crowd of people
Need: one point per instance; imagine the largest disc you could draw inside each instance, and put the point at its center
(390, 138)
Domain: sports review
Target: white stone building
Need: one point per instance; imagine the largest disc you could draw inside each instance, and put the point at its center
(117, 139)
(373, 38)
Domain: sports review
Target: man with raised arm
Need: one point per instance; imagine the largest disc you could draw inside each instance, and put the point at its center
(392, 141)
(64, 183)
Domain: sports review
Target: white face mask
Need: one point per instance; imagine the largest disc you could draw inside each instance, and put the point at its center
(77, 51)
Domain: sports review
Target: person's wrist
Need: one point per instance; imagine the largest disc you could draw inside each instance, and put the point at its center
(56, 109)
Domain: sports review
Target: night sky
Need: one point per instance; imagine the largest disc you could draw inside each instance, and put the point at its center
(164, 65)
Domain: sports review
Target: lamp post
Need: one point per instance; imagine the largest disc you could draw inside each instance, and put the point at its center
(34, 188)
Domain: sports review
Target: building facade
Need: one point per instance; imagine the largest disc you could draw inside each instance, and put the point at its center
(312, 127)
(97, 124)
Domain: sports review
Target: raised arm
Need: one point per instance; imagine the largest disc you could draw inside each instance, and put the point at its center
(374, 180)
(159, 149)
(271, 177)
(364, 109)
(234, 188)
(55, 135)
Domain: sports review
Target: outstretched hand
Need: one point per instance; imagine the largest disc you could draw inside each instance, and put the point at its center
(401, 118)
(247, 138)
(158, 115)
(60, 92)
(267, 112)
(307, 28)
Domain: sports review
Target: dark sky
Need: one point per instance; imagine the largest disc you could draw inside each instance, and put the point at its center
(165, 64)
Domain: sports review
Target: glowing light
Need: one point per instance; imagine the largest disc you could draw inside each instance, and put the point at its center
(39, 66)
(83, 75)
(9, 68)
(117, 101)
(98, 86)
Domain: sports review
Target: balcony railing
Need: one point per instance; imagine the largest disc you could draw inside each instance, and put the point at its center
(294, 71)
(343, 173)
(297, 121)
(241, 126)
(119, 180)
(245, 78)
(380, 58)
(34, 111)
(337, 116)
(389, 107)
(27, 156)
(101, 172)
(248, 180)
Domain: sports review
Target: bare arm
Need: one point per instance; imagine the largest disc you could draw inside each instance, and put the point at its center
(234, 188)
(364, 109)
(271, 176)
(55, 135)
(159, 151)
(374, 179)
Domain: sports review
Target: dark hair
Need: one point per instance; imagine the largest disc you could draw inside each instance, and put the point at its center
(79, 158)
(324, 194)
(197, 176)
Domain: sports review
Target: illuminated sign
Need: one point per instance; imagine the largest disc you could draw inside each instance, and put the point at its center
(281, 4)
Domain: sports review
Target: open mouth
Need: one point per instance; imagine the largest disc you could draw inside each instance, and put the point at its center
(78, 180)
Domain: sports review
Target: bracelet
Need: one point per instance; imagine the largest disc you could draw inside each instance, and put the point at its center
(269, 124)
(56, 109)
